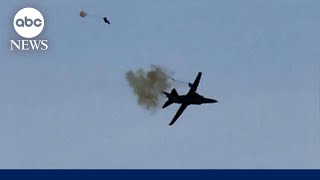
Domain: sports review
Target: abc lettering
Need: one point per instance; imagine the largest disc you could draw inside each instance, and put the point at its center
(28, 22)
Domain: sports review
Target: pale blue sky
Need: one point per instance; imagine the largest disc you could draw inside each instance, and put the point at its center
(71, 107)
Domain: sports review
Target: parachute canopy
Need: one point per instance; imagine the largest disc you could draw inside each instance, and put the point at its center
(83, 14)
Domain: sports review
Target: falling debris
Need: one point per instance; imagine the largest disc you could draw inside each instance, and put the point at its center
(148, 85)
(182, 82)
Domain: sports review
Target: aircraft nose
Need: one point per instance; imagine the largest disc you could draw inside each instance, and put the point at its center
(212, 101)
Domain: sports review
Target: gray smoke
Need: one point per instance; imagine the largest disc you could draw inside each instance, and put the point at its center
(148, 85)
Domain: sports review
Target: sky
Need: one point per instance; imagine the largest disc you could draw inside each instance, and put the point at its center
(71, 107)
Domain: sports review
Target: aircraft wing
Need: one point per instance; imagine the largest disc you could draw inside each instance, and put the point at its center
(195, 84)
(179, 112)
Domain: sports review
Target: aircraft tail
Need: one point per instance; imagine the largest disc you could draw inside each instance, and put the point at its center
(170, 96)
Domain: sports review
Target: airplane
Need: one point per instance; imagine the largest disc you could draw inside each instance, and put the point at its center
(191, 98)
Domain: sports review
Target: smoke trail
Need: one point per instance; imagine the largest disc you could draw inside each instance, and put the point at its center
(148, 85)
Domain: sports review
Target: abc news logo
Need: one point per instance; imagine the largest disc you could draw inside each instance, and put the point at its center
(28, 23)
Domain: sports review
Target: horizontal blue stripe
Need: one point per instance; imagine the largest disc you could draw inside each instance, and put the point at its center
(159, 174)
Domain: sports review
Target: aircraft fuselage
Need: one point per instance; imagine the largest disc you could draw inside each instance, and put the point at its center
(192, 98)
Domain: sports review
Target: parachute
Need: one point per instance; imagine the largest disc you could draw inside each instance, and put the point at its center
(85, 14)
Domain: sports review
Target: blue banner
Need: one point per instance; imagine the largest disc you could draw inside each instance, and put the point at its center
(159, 174)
